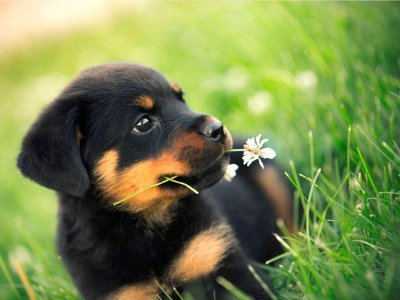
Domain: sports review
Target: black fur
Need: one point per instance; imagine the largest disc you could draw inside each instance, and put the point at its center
(106, 247)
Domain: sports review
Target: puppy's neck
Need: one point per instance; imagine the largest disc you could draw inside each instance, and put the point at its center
(161, 212)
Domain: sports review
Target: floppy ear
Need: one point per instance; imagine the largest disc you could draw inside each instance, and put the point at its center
(50, 152)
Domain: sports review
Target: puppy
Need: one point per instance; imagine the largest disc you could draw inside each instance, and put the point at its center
(120, 128)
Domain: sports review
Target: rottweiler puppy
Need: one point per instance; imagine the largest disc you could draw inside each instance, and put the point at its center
(120, 128)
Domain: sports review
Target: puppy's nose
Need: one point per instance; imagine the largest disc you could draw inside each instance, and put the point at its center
(214, 131)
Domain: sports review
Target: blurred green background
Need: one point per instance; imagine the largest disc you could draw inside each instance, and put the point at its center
(320, 80)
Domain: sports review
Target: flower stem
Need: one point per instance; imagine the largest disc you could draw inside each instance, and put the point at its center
(182, 183)
(145, 189)
(172, 179)
(234, 150)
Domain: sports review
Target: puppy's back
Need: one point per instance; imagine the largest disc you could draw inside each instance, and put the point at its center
(253, 202)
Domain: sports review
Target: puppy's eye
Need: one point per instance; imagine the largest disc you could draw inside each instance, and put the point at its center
(143, 125)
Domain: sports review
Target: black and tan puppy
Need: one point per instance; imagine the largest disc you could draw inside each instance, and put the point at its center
(119, 128)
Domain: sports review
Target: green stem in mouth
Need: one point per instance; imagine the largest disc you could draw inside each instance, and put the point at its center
(234, 150)
(143, 190)
(172, 179)
(167, 179)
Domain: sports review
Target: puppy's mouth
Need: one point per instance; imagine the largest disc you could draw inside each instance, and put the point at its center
(208, 166)
(200, 178)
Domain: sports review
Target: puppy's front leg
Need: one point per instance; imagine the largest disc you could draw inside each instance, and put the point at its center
(212, 253)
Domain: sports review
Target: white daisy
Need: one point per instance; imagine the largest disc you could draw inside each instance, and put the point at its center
(253, 150)
(259, 102)
(230, 172)
(306, 80)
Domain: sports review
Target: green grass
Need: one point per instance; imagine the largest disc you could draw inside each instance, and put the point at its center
(337, 138)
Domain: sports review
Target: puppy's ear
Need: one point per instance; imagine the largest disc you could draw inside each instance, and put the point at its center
(50, 152)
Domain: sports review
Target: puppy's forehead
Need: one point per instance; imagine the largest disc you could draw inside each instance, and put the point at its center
(125, 77)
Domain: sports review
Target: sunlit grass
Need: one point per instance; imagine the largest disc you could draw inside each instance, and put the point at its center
(320, 80)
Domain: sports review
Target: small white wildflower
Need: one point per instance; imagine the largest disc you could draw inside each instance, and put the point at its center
(259, 102)
(235, 79)
(360, 207)
(320, 243)
(21, 254)
(355, 184)
(230, 172)
(253, 150)
(306, 80)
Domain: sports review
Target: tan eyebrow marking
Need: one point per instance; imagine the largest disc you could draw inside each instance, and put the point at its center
(145, 102)
(175, 88)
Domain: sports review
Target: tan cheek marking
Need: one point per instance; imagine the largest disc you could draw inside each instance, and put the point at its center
(106, 167)
(137, 177)
(145, 291)
(272, 186)
(190, 139)
(203, 254)
(145, 102)
(145, 174)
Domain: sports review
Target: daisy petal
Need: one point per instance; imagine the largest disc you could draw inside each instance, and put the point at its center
(258, 137)
(245, 158)
(261, 163)
(263, 142)
(267, 153)
(250, 143)
(251, 160)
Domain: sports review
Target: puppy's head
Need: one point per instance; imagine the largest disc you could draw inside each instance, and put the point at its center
(118, 129)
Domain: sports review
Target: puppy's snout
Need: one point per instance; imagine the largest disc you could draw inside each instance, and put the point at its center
(214, 131)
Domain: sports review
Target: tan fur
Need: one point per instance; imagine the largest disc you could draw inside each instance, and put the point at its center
(228, 140)
(202, 255)
(211, 119)
(78, 134)
(271, 184)
(145, 102)
(190, 139)
(141, 291)
(175, 88)
(154, 202)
